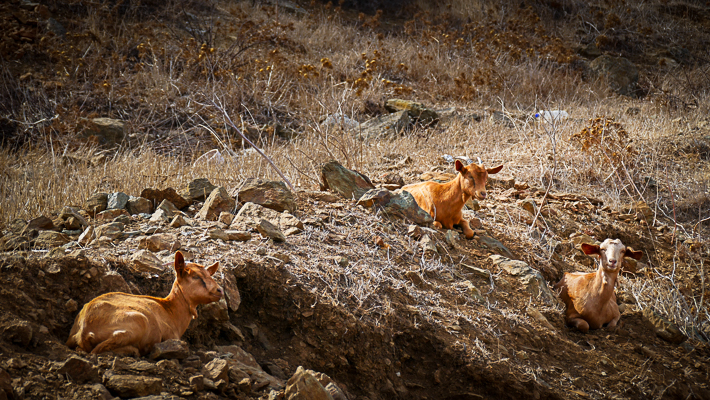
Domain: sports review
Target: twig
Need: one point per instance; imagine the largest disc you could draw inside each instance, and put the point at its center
(258, 150)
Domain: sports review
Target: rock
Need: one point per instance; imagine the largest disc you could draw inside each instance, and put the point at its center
(418, 112)
(251, 214)
(472, 204)
(87, 236)
(393, 179)
(347, 183)
(386, 126)
(157, 196)
(217, 233)
(139, 205)
(172, 349)
(218, 201)
(68, 213)
(178, 221)
(71, 305)
(663, 328)
(240, 236)
(72, 224)
(483, 273)
(160, 215)
(537, 315)
(268, 229)
(168, 207)
(321, 196)
(399, 203)
(643, 211)
(229, 285)
(50, 239)
(79, 370)
(529, 277)
(113, 282)
(157, 242)
(428, 246)
(96, 203)
(621, 74)
(129, 386)
(197, 190)
(110, 215)
(501, 181)
(39, 224)
(19, 332)
(197, 382)
(226, 218)
(475, 223)
(529, 205)
(6, 390)
(117, 201)
(270, 194)
(216, 369)
(452, 238)
(112, 230)
(496, 246)
(106, 132)
(304, 386)
(414, 231)
(343, 261)
(146, 261)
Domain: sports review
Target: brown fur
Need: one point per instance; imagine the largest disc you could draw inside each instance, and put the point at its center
(129, 324)
(589, 297)
(445, 201)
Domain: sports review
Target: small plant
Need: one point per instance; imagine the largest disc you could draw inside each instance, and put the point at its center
(608, 144)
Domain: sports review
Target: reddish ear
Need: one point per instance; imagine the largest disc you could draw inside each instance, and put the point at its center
(212, 268)
(494, 170)
(179, 263)
(590, 249)
(458, 165)
(636, 255)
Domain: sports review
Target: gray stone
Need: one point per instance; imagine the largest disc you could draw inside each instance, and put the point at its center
(428, 246)
(270, 194)
(70, 212)
(496, 246)
(251, 214)
(139, 205)
(269, 230)
(533, 281)
(168, 207)
(178, 221)
(197, 190)
(399, 203)
(158, 242)
(106, 132)
(217, 233)
(117, 201)
(418, 112)
(231, 291)
(132, 385)
(173, 349)
(96, 203)
(218, 201)
(620, 73)
(347, 183)
(240, 236)
(19, 332)
(386, 126)
(663, 328)
(79, 369)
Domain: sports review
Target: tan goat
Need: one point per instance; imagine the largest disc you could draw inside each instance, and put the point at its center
(445, 201)
(129, 324)
(589, 297)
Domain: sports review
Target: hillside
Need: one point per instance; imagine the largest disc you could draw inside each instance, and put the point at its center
(102, 98)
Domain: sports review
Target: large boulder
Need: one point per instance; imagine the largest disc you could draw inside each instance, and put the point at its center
(270, 194)
(348, 183)
(620, 73)
(399, 203)
(387, 126)
(218, 201)
(197, 190)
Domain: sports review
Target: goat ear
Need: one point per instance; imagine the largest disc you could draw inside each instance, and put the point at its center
(179, 263)
(495, 170)
(590, 249)
(458, 165)
(213, 268)
(635, 254)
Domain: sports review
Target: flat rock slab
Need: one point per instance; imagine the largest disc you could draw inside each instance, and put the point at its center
(528, 276)
(270, 194)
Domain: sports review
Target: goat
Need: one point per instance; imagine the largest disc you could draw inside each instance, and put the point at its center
(589, 297)
(130, 324)
(445, 201)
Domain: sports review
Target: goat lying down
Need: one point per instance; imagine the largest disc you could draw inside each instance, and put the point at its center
(445, 201)
(129, 324)
(589, 297)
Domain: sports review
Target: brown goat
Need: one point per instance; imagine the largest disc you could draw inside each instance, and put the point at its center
(589, 297)
(129, 324)
(445, 201)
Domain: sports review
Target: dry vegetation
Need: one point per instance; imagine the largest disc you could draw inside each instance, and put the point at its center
(278, 72)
